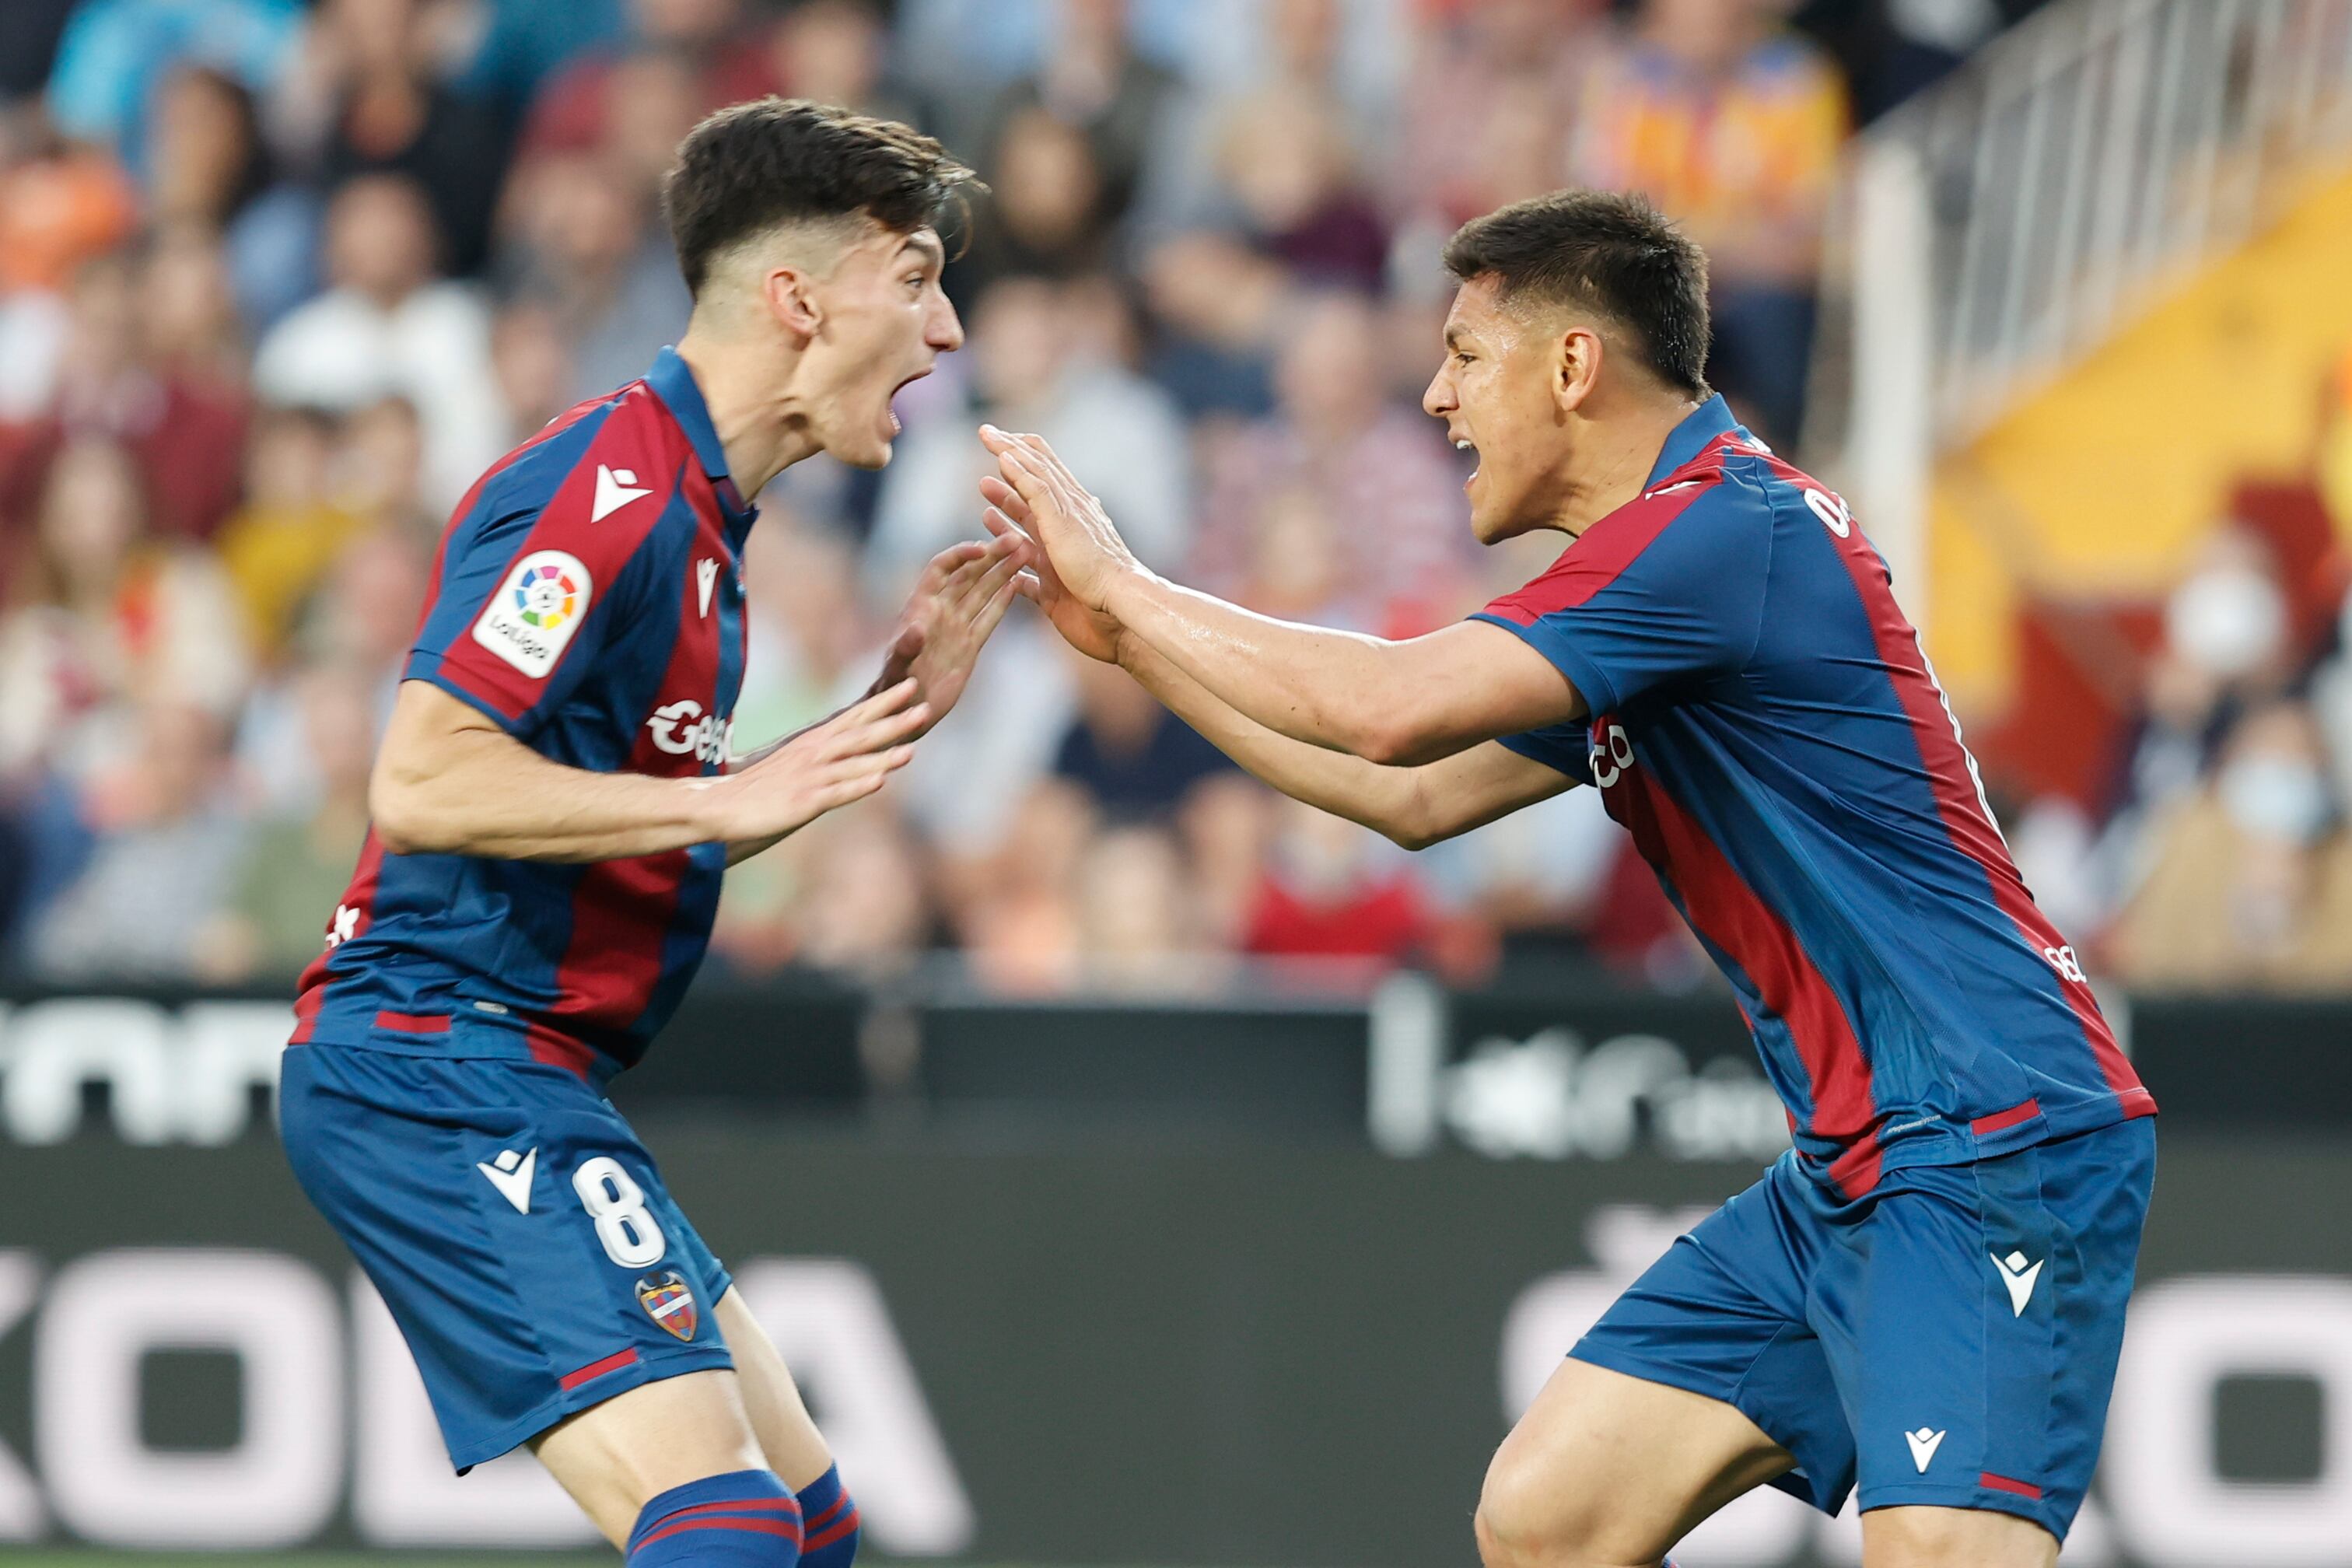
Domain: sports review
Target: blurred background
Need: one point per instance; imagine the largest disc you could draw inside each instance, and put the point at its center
(1140, 1167)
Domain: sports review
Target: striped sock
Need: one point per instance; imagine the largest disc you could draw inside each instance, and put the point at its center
(744, 1519)
(832, 1522)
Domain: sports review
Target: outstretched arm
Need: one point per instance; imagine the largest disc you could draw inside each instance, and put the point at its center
(1415, 806)
(1393, 703)
(448, 781)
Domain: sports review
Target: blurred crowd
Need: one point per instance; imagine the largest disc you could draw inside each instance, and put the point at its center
(277, 279)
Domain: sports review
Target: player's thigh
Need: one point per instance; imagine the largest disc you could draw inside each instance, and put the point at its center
(616, 1457)
(780, 1418)
(1919, 1537)
(1608, 1468)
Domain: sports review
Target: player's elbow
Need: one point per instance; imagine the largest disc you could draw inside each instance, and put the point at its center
(405, 818)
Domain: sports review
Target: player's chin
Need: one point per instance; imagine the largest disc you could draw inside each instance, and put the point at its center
(862, 451)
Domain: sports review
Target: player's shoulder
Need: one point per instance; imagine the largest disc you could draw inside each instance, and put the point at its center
(627, 434)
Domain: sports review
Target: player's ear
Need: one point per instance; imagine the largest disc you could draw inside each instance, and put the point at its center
(1579, 352)
(789, 295)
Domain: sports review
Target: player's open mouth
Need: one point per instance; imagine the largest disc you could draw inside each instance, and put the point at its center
(1461, 444)
(889, 406)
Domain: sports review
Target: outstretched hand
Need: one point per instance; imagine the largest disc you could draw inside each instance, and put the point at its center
(961, 595)
(1093, 633)
(845, 758)
(1077, 536)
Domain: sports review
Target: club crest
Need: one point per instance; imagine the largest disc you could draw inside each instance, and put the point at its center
(668, 1302)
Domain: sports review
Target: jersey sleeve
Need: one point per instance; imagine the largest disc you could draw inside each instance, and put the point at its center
(1564, 748)
(1668, 589)
(534, 582)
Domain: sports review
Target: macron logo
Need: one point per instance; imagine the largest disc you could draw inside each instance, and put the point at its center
(2018, 1278)
(616, 488)
(1924, 1444)
(510, 1173)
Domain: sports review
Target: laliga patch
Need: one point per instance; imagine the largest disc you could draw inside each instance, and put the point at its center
(535, 611)
(667, 1301)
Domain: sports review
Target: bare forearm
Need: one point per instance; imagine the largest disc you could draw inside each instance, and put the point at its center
(481, 793)
(1388, 800)
(1312, 684)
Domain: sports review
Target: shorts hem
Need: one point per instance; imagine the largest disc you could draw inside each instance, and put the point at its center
(1979, 1499)
(1803, 1484)
(648, 1368)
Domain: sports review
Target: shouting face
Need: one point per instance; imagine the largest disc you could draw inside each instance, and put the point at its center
(1505, 390)
(880, 321)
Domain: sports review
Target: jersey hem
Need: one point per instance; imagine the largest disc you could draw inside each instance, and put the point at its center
(603, 1069)
(1953, 1145)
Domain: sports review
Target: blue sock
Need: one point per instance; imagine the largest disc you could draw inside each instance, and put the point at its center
(744, 1519)
(830, 1519)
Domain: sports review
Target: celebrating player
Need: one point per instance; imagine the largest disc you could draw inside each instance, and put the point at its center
(553, 810)
(1924, 1298)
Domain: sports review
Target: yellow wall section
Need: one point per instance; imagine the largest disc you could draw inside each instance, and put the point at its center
(2102, 483)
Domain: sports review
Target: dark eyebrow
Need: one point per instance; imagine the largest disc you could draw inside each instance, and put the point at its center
(1452, 337)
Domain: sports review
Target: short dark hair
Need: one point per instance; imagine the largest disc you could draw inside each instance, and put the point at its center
(772, 161)
(1613, 254)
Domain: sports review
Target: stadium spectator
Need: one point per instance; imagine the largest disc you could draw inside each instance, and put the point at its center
(209, 171)
(1283, 159)
(389, 327)
(1030, 371)
(103, 614)
(280, 544)
(573, 110)
(2252, 882)
(587, 254)
(165, 835)
(61, 204)
(1332, 889)
(1046, 216)
(1488, 106)
(183, 429)
(114, 52)
(1137, 924)
(369, 78)
(1732, 125)
(1017, 911)
(1136, 761)
(294, 865)
(1336, 448)
(1093, 81)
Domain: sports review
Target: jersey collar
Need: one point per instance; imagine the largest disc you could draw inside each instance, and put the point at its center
(672, 379)
(1700, 429)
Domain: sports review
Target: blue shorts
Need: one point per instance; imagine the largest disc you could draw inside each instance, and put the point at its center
(513, 1224)
(1950, 1338)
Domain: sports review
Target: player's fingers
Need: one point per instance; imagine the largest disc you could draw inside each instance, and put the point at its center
(996, 492)
(984, 623)
(889, 700)
(990, 583)
(887, 729)
(1028, 586)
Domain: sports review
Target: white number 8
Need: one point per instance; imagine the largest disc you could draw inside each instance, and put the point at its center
(613, 1200)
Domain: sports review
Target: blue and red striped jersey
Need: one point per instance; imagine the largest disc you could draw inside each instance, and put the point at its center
(588, 598)
(1764, 722)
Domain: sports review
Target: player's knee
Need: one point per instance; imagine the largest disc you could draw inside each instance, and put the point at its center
(746, 1519)
(1531, 1519)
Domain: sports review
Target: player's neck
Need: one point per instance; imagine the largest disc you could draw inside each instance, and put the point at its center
(759, 428)
(1619, 452)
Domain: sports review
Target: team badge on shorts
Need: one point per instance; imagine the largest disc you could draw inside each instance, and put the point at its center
(668, 1302)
